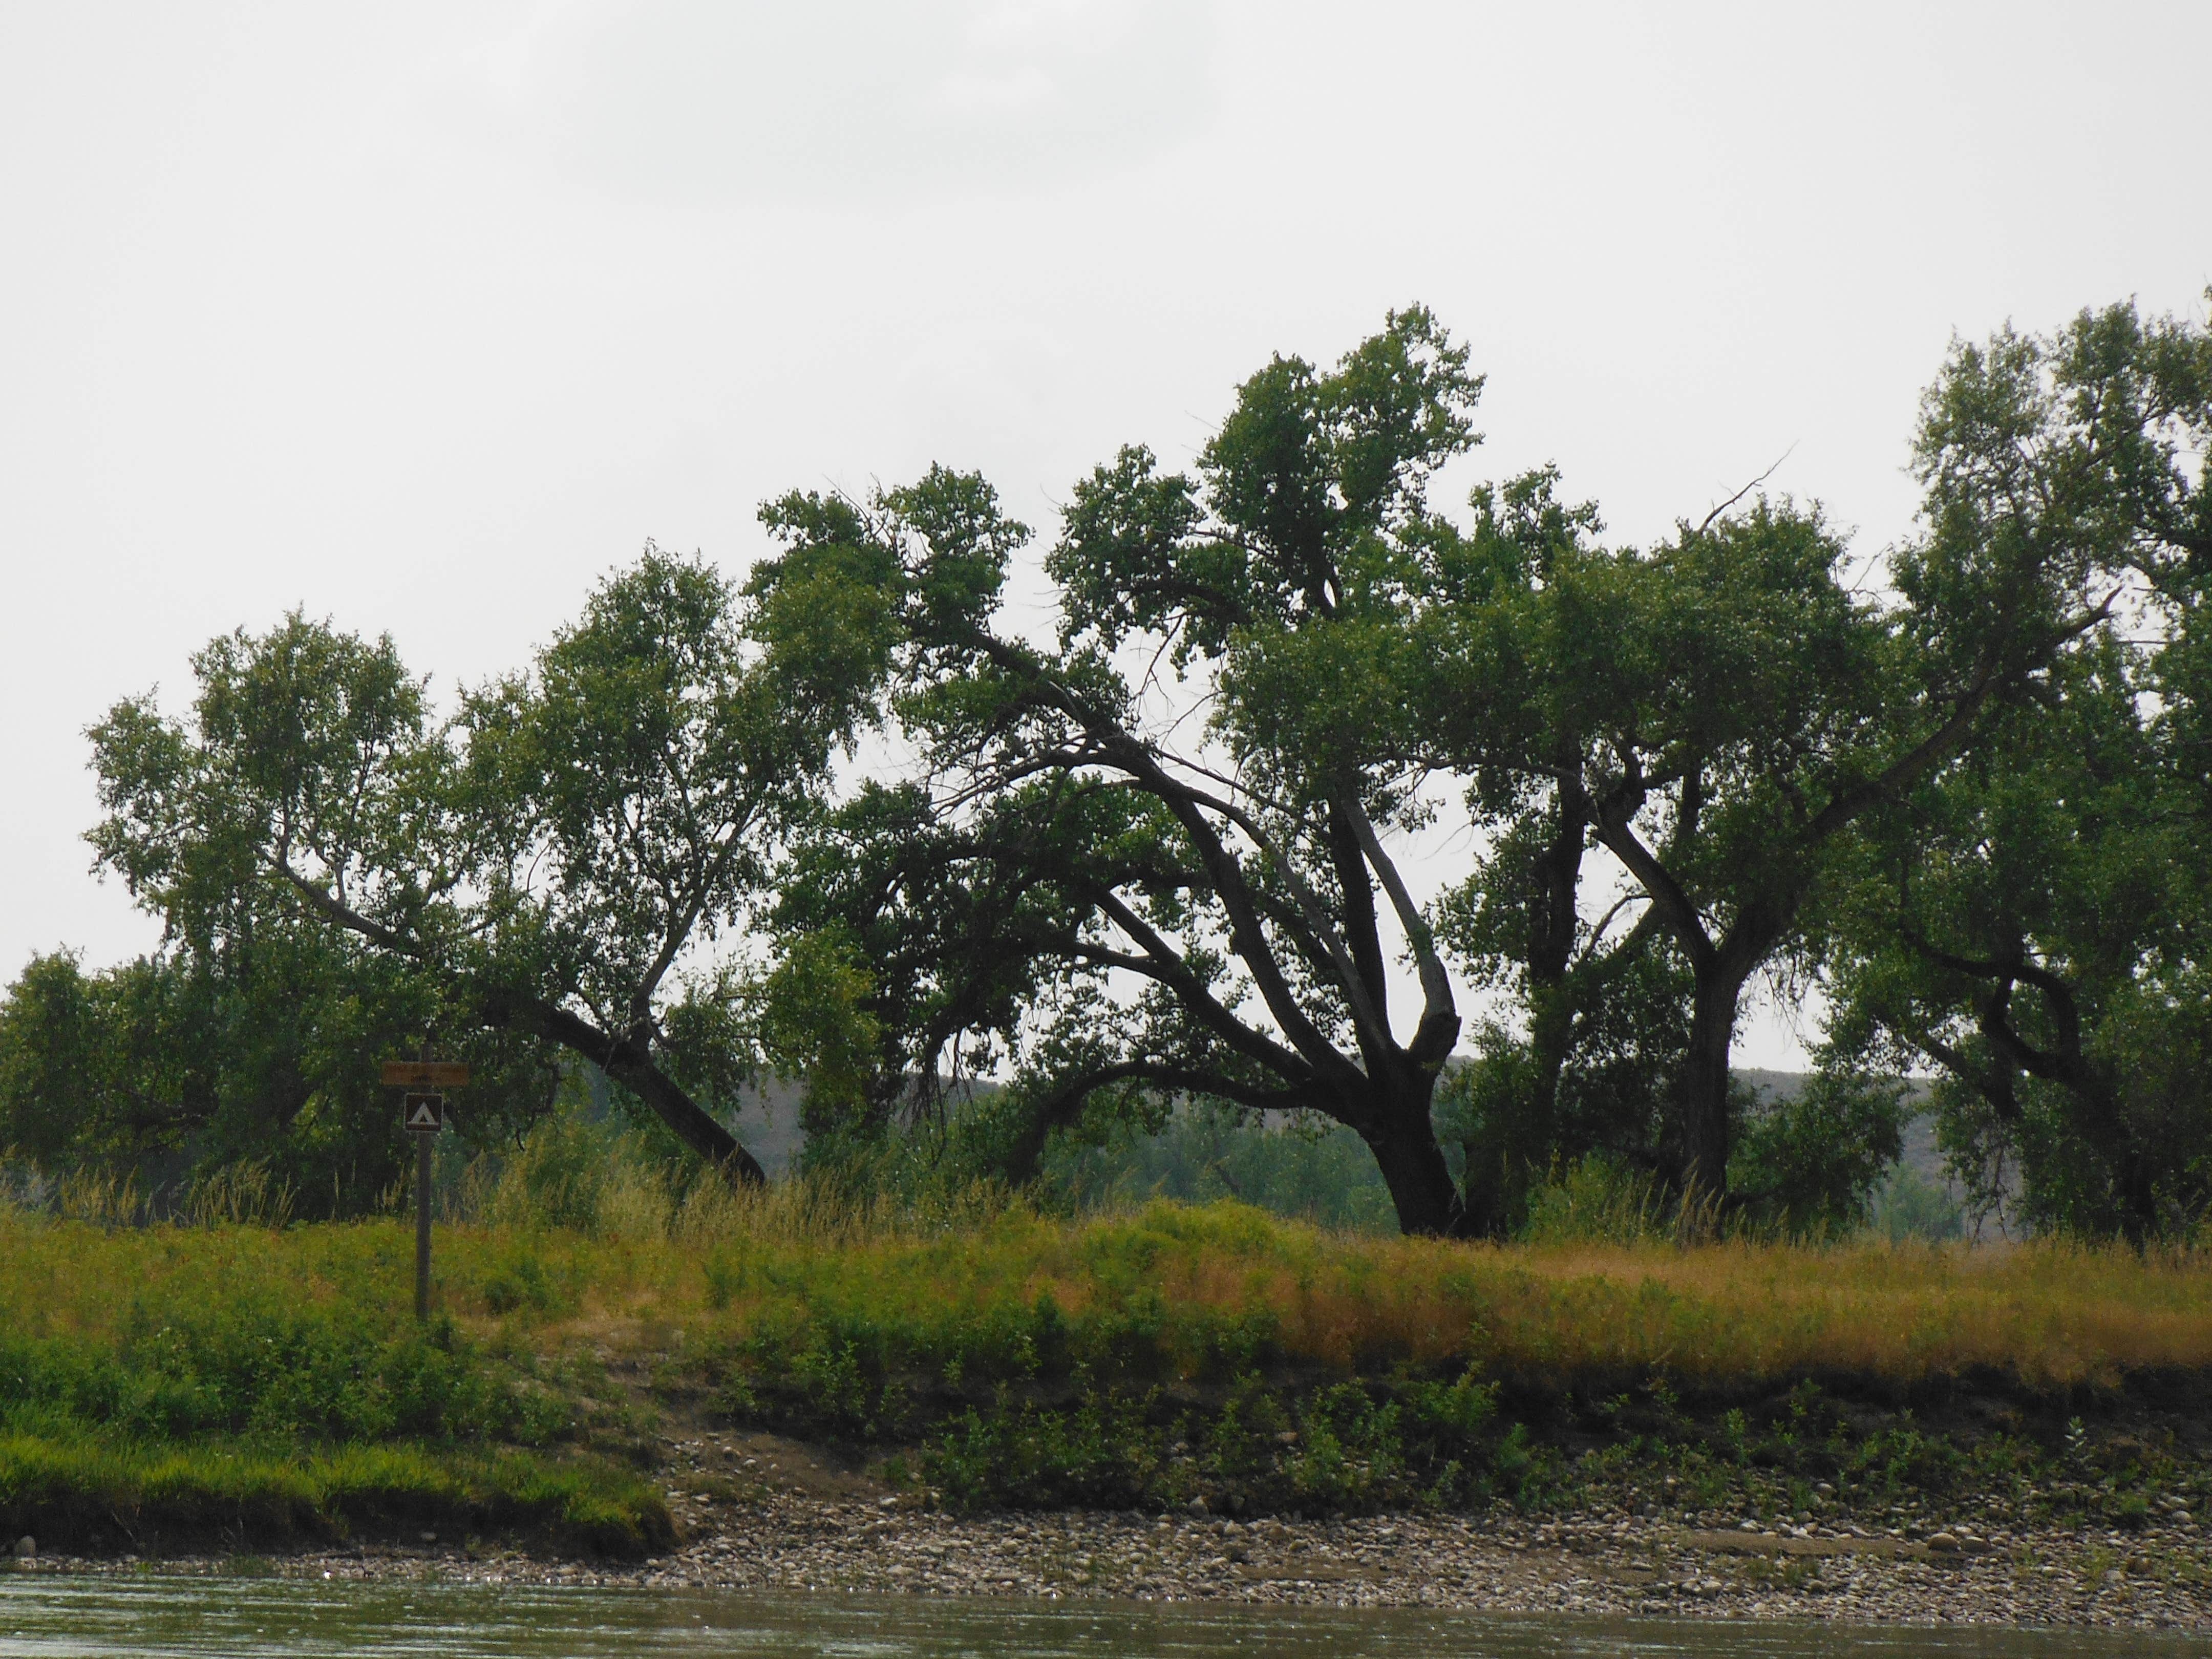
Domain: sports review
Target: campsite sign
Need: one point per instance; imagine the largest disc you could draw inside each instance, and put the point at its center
(422, 1109)
(424, 1112)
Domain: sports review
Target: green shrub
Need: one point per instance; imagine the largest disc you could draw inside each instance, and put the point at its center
(1097, 1454)
(1596, 1201)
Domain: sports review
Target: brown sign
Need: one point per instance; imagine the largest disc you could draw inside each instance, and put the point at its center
(425, 1073)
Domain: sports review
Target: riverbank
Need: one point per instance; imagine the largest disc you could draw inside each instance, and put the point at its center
(170, 1389)
(1585, 1563)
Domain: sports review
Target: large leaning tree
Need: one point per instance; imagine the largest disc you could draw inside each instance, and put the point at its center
(553, 864)
(1150, 856)
(1109, 903)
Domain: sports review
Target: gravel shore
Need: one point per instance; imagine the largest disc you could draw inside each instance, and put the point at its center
(778, 1524)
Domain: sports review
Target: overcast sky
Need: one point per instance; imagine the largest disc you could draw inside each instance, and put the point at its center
(419, 316)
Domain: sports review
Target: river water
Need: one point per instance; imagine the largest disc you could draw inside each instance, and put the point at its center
(148, 1614)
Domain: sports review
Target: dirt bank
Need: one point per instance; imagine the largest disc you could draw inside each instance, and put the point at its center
(759, 1513)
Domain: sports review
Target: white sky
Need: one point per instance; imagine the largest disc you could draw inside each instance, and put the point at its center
(421, 315)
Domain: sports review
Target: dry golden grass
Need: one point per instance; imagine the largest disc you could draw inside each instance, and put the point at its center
(2051, 1314)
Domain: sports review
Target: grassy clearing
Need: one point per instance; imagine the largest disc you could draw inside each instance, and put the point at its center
(974, 1348)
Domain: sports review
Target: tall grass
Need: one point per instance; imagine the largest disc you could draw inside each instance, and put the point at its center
(608, 1180)
(1188, 1284)
(584, 1229)
(1606, 1282)
(895, 1305)
(246, 1193)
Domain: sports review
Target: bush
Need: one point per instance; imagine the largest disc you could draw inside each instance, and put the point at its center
(1808, 1164)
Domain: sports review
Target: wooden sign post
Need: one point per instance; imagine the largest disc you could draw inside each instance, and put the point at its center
(423, 1111)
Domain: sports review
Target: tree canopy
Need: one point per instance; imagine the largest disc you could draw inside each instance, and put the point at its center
(552, 863)
(1471, 832)
(2031, 919)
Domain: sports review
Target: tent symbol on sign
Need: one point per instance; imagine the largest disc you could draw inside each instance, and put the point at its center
(425, 1112)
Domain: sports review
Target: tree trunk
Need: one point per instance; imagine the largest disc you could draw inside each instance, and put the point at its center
(1702, 1170)
(2099, 1123)
(1398, 1131)
(1521, 1149)
(629, 1063)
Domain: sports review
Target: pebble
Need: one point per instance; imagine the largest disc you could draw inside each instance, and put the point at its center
(1603, 1563)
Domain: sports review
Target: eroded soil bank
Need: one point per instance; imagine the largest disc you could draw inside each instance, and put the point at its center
(757, 1512)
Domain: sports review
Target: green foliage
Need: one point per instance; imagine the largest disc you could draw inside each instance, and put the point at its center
(1595, 1200)
(538, 875)
(1420, 1442)
(815, 1024)
(1592, 1079)
(1809, 1163)
(1909, 1205)
(1065, 853)
(1009, 1360)
(237, 1387)
(169, 1070)
(2030, 919)
(1206, 1151)
(1959, 789)
(1727, 716)
(203, 1357)
(1099, 1454)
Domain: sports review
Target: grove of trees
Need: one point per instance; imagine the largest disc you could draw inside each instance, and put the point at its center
(1473, 832)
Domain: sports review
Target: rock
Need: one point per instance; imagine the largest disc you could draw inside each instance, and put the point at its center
(1198, 1506)
(1943, 1542)
(26, 1548)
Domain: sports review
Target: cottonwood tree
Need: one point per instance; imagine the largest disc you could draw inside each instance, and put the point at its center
(1714, 712)
(1464, 664)
(1722, 710)
(1719, 713)
(550, 861)
(2031, 919)
(1710, 712)
(1065, 844)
